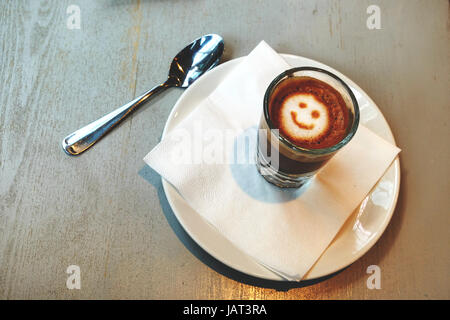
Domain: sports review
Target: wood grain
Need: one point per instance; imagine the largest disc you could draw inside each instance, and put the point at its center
(106, 212)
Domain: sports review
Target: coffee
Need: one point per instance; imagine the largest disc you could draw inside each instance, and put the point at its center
(309, 113)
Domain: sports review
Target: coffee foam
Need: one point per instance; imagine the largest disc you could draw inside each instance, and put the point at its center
(309, 112)
(303, 117)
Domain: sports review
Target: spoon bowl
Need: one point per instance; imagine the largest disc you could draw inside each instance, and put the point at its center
(195, 59)
(188, 65)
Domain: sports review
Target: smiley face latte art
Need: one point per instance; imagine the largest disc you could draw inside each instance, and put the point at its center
(309, 112)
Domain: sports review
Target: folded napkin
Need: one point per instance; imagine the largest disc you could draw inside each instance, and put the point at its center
(285, 230)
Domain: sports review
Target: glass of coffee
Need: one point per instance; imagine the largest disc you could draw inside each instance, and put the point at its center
(309, 114)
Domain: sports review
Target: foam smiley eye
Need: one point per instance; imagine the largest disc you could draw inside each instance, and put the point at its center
(304, 116)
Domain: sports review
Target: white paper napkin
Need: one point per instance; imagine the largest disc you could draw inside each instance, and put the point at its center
(285, 230)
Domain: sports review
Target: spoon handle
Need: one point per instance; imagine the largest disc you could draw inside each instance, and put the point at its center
(82, 139)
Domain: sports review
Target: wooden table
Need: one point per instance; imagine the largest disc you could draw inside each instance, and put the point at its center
(100, 212)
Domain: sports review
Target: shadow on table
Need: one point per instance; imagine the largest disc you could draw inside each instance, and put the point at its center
(155, 179)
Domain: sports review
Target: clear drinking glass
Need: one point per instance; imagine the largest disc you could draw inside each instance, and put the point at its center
(280, 161)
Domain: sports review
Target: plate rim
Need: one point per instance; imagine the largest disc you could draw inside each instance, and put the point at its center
(388, 216)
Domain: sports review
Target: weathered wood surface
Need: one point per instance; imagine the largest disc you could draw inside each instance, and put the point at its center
(99, 210)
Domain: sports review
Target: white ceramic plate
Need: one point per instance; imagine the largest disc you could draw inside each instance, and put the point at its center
(358, 234)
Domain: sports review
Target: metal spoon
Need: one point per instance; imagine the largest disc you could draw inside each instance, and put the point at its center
(190, 63)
